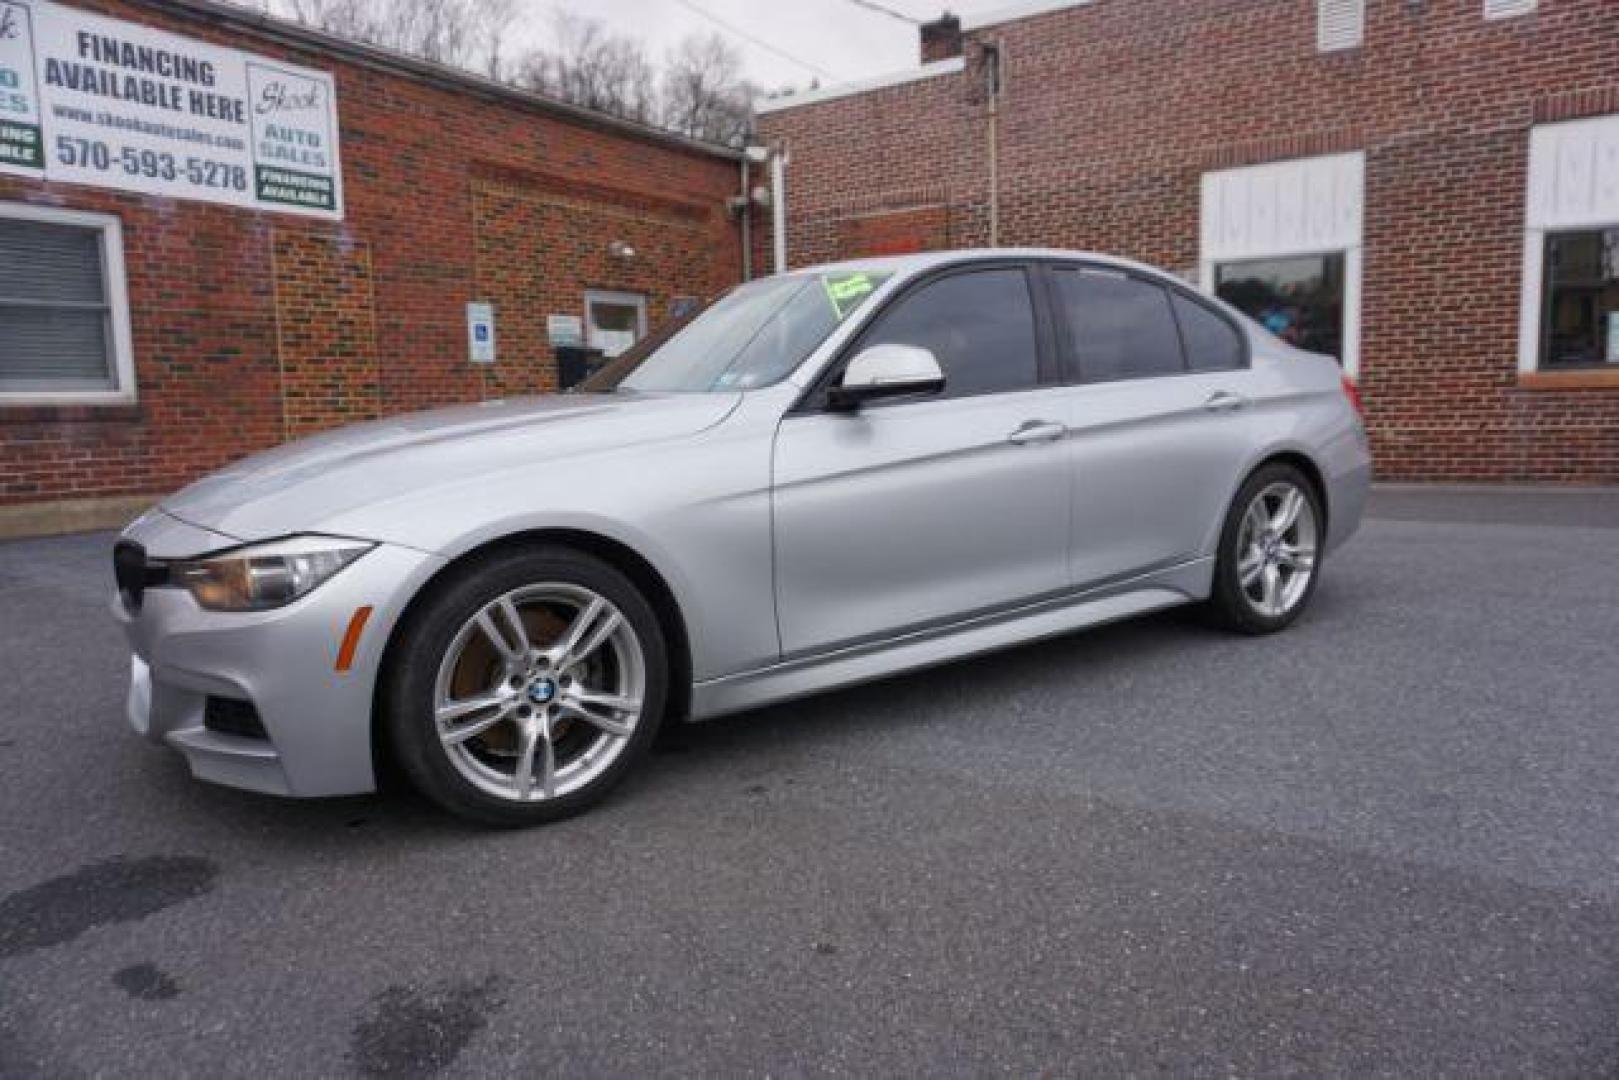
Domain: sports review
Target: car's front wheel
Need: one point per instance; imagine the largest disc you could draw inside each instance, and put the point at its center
(526, 686)
(1270, 552)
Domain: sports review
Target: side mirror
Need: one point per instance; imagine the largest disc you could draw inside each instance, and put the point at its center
(885, 371)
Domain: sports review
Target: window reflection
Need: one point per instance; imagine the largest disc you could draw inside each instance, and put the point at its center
(1581, 324)
(1300, 298)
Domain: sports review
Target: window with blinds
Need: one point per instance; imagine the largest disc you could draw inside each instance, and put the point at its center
(56, 329)
(1506, 9)
(1340, 24)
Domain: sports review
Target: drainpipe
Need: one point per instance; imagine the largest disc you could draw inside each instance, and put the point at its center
(778, 206)
(994, 62)
(747, 224)
(751, 155)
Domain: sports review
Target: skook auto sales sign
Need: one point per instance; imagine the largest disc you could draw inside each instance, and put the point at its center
(96, 101)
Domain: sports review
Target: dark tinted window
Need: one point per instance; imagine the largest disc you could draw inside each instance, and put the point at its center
(1212, 344)
(979, 324)
(1121, 327)
(1581, 327)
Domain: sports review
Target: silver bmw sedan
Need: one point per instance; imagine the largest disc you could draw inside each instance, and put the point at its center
(820, 478)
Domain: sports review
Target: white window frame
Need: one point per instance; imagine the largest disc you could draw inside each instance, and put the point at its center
(111, 230)
(624, 299)
(1271, 234)
(1573, 187)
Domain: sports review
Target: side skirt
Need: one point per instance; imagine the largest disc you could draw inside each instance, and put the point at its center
(1168, 587)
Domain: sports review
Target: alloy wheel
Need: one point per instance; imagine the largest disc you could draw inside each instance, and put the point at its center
(539, 692)
(1277, 549)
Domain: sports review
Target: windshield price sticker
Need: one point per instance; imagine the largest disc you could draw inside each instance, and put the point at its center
(846, 292)
(91, 100)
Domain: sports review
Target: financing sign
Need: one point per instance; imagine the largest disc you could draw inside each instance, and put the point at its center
(90, 100)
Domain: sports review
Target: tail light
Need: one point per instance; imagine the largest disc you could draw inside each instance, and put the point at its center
(1352, 392)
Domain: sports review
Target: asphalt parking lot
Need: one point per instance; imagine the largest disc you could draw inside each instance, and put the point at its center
(1385, 842)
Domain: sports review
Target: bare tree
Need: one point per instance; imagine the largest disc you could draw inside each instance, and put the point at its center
(704, 93)
(589, 65)
(457, 33)
(701, 92)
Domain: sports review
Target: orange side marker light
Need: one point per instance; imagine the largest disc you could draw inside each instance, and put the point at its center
(351, 638)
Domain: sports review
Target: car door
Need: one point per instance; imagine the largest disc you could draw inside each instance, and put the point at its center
(923, 510)
(1160, 422)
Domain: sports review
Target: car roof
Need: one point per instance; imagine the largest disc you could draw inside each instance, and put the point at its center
(928, 260)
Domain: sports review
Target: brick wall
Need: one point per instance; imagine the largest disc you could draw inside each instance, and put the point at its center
(253, 327)
(1112, 112)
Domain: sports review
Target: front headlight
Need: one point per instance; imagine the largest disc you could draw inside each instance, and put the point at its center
(264, 576)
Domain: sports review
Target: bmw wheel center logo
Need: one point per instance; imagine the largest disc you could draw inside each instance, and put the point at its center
(541, 691)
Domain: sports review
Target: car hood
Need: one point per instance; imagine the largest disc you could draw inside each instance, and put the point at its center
(298, 486)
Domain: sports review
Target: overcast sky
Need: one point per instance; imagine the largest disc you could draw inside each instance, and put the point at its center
(832, 40)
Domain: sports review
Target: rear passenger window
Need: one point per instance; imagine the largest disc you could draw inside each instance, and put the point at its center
(1212, 343)
(1121, 327)
(979, 324)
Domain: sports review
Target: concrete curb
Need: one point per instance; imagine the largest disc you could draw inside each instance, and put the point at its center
(71, 515)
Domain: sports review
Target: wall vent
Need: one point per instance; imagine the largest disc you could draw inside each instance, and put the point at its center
(1506, 9)
(1340, 24)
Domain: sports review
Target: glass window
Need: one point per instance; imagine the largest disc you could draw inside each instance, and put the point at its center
(1120, 326)
(978, 324)
(614, 321)
(56, 333)
(1212, 343)
(1581, 323)
(1299, 298)
(752, 336)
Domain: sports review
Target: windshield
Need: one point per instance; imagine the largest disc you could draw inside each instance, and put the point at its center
(750, 337)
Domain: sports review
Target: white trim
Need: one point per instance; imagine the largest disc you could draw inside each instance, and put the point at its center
(1529, 306)
(117, 291)
(1013, 12)
(952, 66)
(1573, 187)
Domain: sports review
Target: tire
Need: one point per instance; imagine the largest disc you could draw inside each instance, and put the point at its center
(1244, 598)
(513, 731)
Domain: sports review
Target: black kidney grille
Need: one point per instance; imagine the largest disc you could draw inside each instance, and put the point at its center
(135, 573)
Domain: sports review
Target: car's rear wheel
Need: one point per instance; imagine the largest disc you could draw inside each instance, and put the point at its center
(525, 689)
(1270, 552)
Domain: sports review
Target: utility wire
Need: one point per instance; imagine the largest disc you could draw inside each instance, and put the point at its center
(760, 42)
(872, 5)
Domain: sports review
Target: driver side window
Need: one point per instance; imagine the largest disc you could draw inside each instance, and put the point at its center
(979, 324)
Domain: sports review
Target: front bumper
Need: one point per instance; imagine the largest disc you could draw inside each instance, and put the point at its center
(317, 719)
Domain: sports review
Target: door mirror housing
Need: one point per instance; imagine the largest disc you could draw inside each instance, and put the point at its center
(886, 371)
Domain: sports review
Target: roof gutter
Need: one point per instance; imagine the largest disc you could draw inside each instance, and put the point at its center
(441, 76)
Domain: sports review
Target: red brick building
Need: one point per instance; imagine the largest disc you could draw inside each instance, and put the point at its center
(1429, 189)
(186, 278)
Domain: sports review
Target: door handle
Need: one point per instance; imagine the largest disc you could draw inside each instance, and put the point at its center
(1224, 401)
(1037, 431)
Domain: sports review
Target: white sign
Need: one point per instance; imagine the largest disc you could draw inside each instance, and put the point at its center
(90, 100)
(564, 330)
(1613, 337)
(481, 332)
